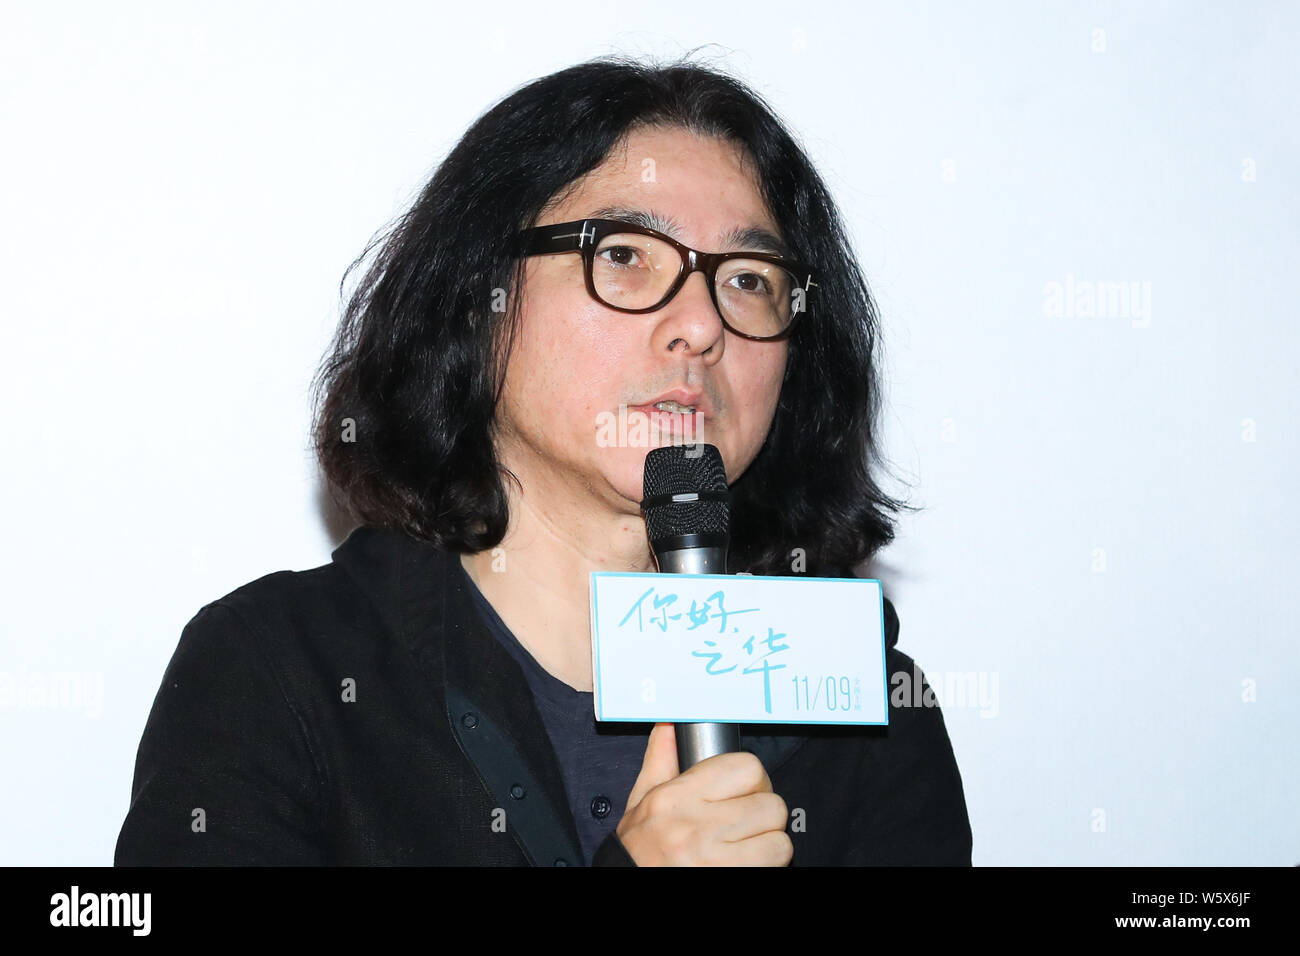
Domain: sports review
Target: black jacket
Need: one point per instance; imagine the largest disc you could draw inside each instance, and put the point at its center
(361, 713)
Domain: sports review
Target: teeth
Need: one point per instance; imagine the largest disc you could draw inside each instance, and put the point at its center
(671, 406)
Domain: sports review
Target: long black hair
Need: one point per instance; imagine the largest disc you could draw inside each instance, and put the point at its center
(405, 397)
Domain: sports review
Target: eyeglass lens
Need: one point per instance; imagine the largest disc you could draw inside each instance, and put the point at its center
(633, 271)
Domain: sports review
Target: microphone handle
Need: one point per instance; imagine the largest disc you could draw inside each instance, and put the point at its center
(696, 742)
(699, 741)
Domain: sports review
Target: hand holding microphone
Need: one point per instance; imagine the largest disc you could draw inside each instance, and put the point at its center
(720, 812)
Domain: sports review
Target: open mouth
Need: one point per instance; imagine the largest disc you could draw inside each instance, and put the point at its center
(672, 417)
(674, 408)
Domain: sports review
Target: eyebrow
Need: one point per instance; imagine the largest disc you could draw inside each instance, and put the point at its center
(741, 239)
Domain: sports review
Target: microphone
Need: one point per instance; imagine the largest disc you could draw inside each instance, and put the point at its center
(687, 513)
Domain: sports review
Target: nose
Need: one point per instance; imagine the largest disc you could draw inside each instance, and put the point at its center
(692, 318)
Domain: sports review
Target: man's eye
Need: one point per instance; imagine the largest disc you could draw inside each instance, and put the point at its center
(620, 255)
(751, 282)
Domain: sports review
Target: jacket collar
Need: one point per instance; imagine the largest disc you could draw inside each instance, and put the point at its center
(420, 592)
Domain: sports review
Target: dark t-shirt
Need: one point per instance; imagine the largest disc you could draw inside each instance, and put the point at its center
(599, 761)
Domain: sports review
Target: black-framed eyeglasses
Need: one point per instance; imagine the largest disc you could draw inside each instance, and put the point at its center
(633, 269)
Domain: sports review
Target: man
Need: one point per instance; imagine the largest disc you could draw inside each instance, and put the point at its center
(426, 698)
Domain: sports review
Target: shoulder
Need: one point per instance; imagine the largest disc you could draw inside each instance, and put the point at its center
(355, 593)
(260, 634)
(283, 601)
(285, 636)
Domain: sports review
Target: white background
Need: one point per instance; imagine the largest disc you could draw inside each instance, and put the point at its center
(1108, 520)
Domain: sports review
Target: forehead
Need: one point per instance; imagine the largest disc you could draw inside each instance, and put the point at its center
(700, 190)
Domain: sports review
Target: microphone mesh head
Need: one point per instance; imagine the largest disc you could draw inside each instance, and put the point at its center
(669, 471)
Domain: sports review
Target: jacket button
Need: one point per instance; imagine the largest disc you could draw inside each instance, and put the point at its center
(517, 791)
(470, 721)
(600, 806)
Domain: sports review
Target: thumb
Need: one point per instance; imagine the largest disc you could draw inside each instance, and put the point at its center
(660, 764)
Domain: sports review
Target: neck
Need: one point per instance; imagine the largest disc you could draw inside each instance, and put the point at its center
(538, 580)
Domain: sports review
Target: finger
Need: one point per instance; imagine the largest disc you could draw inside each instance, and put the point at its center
(772, 848)
(729, 775)
(659, 764)
(749, 816)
